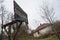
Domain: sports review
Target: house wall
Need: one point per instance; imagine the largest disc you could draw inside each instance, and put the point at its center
(43, 32)
(36, 34)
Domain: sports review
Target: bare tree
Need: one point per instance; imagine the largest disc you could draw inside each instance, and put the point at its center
(5, 17)
(48, 16)
(1, 19)
(48, 13)
(56, 27)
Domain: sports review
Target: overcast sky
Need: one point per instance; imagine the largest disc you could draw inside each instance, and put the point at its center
(31, 7)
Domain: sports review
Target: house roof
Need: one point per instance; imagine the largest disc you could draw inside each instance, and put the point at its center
(40, 27)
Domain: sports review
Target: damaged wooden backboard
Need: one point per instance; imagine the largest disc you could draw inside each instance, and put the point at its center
(19, 14)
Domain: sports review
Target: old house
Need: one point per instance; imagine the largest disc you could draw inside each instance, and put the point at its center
(42, 30)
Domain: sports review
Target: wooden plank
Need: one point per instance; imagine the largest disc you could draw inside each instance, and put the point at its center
(10, 23)
(19, 13)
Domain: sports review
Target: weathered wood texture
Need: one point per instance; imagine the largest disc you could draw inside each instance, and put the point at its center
(19, 13)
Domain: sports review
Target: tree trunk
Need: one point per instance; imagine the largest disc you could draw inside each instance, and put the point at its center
(14, 38)
(58, 36)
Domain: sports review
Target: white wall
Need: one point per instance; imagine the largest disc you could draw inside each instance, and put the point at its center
(42, 32)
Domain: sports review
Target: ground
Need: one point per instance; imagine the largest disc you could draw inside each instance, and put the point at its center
(32, 38)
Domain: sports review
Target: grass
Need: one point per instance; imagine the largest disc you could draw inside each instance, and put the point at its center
(32, 38)
(51, 38)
